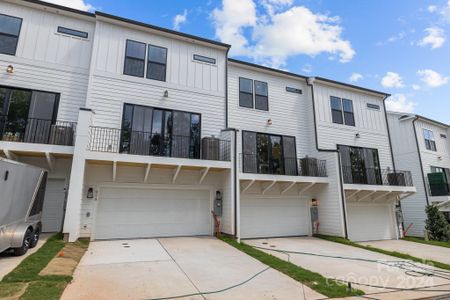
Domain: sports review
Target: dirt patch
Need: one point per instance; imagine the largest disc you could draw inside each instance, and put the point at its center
(65, 261)
(12, 291)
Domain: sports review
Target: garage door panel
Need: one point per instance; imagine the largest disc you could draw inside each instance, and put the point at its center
(370, 222)
(271, 217)
(134, 213)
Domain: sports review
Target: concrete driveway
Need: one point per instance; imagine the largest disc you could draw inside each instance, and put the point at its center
(440, 254)
(356, 265)
(153, 268)
(9, 262)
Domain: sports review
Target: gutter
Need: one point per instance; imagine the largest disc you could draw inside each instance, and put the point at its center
(310, 83)
(420, 159)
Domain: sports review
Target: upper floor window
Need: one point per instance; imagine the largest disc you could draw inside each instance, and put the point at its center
(444, 136)
(9, 34)
(204, 59)
(373, 106)
(134, 59)
(293, 90)
(157, 62)
(73, 32)
(430, 144)
(260, 99)
(342, 111)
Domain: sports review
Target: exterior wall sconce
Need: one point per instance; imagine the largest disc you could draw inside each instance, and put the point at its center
(357, 135)
(90, 193)
(10, 69)
(269, 122)
(166, 94)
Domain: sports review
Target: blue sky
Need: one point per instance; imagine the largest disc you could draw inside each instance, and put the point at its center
(401, 47)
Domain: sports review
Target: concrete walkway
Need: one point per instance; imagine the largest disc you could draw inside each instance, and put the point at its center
(363, 267)
(440, 254)
(152, 268)
(9, 262)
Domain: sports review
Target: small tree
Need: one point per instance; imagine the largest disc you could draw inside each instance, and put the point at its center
(436, 225)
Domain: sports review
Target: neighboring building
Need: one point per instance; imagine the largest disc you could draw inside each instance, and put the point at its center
(423, 146)
(146, 131)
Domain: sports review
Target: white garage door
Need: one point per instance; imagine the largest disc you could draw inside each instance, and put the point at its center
(53, 209)
(370, 222)
(272, 217)
(142, 212)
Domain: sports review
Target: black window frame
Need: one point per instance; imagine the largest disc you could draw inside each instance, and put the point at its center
(293, 90)
(148, 62)
(430, 145)
(373, 106)
(11, 35)
(347, 113)
(265, 97)
(336, 113)
(134, 58)
(72, 32)
(361, 176)
(204, 59)
(443, 135)
(247, 93)
(343, 113)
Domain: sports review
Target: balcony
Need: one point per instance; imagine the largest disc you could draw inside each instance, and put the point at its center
(373, 184)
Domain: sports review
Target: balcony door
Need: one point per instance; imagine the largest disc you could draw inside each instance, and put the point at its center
(360, 165)
(27, 116)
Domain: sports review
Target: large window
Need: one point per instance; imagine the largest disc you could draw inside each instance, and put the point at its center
(342, 111)
(134, 59)
(360, 165)
(153, 131)
(9, 34)
(157, 61)
(269, 154)
(430, 143)
(259, 99)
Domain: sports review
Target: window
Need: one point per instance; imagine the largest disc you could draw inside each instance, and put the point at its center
(261, 96)
(373, 106)
(430, 144)
(73, 32)
(360, 165)
(157, 61)
(160, 132)
(245, 92)
(269, 154)
(443, 136)
(134, 59)
(293, 90)
(205, 59)
(342, 111)
(9, 34)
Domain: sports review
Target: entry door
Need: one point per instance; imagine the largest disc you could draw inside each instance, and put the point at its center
(53, 210)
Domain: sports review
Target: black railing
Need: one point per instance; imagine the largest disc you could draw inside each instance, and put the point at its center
(375, 176)
(442, 189)
(115, 140)
(40, 131)
(253, 163)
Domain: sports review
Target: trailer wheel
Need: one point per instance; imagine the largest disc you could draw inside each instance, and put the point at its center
(25, 244)
(35, 237)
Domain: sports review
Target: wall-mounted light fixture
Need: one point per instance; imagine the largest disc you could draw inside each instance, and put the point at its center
(269, 122)
(10, 69)
(166, 94)
(357, 135)
(90, 193)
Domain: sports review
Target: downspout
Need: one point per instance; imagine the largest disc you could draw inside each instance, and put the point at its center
(226, 88)
(420, 160)
(310, 82)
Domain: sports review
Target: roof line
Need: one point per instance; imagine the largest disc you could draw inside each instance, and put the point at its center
(352, 86)
(431, 120)
(65, 8)
(233, 60)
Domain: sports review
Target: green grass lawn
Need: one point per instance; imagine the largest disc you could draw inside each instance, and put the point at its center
(317, 282)
(423, 241)
(344, 241)
(26, 274)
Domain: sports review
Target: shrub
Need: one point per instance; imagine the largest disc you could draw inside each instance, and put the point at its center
(436, 225)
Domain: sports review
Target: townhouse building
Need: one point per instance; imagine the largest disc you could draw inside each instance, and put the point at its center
(149, 132)
(423, 146)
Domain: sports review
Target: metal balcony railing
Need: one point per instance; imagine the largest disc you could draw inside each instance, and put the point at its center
(40, 131)
(375, 176)
(113, 140)
(308, 166)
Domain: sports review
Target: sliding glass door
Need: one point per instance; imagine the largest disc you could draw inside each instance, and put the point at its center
(360, 165)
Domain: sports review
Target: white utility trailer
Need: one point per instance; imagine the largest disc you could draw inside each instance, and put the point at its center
(22, 189)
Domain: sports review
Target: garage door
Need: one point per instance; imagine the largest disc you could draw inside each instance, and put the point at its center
(143, 212)
(272, 217)
(53, 209)
(370, 222)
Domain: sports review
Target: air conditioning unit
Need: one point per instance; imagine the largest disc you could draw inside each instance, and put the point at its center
(61, 135)
(211, 148)
(396, 179)
(309, 166)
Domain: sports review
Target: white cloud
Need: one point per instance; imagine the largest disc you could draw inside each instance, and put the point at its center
(435, 38)
(432, 78)
(392, 80)
(432, 8)
(442, 11)
(307, 68)
(355, 77)
(76, 4)
(416, 87)
(274, 36)
(180, 19)
(399, 103)
(392, 39)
